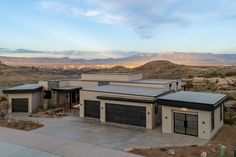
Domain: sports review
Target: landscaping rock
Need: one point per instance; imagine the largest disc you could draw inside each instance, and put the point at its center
(213, 150)
(129, 149)
(203, 154)
(171, 151)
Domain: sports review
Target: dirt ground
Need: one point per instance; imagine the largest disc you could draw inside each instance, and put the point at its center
(226, 136)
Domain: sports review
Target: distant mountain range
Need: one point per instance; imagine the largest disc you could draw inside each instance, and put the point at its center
(109, 58)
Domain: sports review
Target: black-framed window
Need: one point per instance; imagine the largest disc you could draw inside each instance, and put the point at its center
(221, 112)
(103, 83)
(212, 120)
(47, 94)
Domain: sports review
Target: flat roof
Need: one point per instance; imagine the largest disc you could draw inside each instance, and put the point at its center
(67, 88)
(112, 73)
(27, 88)
(156, 81)
(128, 90)
(194, 100)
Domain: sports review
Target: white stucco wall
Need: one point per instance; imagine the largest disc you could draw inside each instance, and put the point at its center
(20, 95)
(83, 84)
(137, 84)
(218, 123)
(44, 84)
(151, 118)
(204, 121)
(36, 99)
(111, 77)
(63, 83)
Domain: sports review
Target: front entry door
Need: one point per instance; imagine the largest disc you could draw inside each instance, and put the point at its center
(186, 124)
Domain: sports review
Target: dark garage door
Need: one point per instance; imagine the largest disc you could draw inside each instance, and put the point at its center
(131, 115)
(19, 105)
(92, 109)
(186, 124)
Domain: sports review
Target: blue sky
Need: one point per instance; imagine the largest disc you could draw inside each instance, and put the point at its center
(127, 25)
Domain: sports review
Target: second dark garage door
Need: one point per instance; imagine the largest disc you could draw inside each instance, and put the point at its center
(19, 105)
(124, 114)
(92, 108)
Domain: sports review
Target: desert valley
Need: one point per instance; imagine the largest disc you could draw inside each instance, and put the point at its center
(218, 79)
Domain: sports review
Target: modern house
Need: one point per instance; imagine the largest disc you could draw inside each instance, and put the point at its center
(128, 99)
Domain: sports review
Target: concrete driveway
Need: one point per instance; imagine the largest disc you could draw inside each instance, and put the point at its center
(15, 143)
(119, 138)
(14, 150)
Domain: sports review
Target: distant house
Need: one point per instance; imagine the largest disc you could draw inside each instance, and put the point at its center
(129, 100)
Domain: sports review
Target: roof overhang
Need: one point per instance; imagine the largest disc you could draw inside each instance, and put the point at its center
(69, 89)
(15, 91)
(126, 99)
(191, 105)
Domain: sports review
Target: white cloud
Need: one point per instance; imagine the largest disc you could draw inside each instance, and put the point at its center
(146, 17)
(93, 14)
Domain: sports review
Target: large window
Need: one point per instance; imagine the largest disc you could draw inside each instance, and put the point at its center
(212, 120)
(47, 94)
(221, 112)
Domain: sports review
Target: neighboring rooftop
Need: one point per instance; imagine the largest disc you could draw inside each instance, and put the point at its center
(123, 77)
(194, 100)
(155, 81)
(27, 88)
(128, 90)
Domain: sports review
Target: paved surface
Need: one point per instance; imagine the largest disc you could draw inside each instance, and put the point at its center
(13, 150)
(92, 132)
(15, 143)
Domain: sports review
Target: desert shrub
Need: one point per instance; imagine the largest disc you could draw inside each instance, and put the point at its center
(230, 97)
(230, 74)
(3, 99)
(229, 119)
(214, 74)
(188, 85)
(2, 115)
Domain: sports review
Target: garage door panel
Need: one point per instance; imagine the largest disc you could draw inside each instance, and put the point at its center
(92, 109)
(124, 114)
(20, 105)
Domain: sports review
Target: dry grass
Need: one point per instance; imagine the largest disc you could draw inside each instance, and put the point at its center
(226, 136)
(20, 124)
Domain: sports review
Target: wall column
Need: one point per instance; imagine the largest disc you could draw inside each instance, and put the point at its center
(149, 117)
(102, 111)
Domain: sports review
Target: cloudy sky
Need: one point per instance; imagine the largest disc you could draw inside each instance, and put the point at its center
(121, 25)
